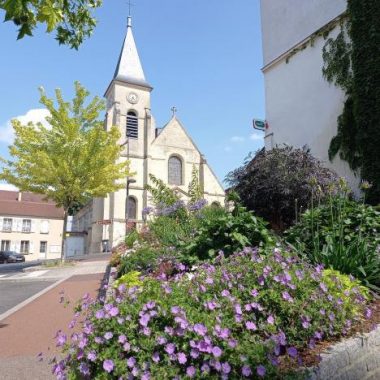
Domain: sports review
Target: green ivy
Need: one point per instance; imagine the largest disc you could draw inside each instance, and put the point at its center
(352, 62)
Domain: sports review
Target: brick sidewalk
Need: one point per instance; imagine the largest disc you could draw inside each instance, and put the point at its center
(31, 330)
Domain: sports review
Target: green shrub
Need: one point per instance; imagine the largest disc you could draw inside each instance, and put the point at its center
(144, 260)
(131, 238)
(237, 319)
(343, 235)
(129, 279)
(220, 230)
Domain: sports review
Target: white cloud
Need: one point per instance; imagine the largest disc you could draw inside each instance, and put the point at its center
(237, 139)
(34, 115)
(257, 136)
(8, 187)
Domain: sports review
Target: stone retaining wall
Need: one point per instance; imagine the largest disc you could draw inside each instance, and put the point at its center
(357, 358)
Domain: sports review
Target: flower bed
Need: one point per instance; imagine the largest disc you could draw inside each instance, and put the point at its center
(239, 318)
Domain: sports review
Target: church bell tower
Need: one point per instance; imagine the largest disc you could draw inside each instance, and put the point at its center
(128, 108)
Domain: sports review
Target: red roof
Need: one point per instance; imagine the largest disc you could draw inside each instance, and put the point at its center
(30, 204)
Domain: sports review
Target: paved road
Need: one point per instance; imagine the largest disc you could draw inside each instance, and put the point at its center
(14, 292)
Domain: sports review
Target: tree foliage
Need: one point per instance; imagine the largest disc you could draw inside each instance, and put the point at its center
(352, 62)
(72, 161)
(195, 191)
(72, 20)
(279, 183)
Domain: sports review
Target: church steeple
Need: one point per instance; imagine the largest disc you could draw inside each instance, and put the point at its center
(129, 68)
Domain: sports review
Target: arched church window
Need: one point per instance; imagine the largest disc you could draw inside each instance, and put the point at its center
(131, 208)
(175, 171)
(132, 125)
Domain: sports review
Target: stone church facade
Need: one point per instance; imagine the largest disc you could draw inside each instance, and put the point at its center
(168, 153)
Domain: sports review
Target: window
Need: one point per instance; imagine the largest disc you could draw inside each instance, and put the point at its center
(5, 245)
(175, 171)
(132, 208)
(24, 248)
(132, 125)
(7, 225)
(43, 246)
(26, 225)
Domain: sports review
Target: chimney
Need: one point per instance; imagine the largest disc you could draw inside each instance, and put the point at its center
(19, 198)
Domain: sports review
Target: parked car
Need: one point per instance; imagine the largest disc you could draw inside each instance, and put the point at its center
(11, 257)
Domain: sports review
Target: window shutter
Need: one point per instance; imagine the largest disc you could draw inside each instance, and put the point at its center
(1, 224)
(44, 228)
(31, 247)
(33, 226)
(13, 246)
(17, 246)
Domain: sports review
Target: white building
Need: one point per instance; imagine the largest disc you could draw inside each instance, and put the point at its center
(30, 225)
(301, 106)
(169, 153)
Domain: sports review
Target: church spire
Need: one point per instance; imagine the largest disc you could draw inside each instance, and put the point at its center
(129, 67)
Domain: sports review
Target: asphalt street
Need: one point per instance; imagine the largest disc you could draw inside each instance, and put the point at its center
(14, 292)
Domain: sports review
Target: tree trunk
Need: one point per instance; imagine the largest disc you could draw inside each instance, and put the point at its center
(64, 236)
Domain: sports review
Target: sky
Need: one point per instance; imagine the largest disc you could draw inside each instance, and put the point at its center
(203, 57)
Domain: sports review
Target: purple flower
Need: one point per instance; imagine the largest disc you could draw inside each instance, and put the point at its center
(260, 370)
(145, 376)
(131, 362)
(126, 346)
(292, 352)
(161, 340)
(226, 368)
(61, 339)
(156, 357)
(323, 287)
(91, 356)
(205, 368)
(287, 297)
(84, 369)
(305, 320)
(200, 329)
(181, 357)
(270, 320)
(100, 314)
(190, 371)
(170, 348)
(238, 310)
(194, 353)
(225, 293)
(216, 351)
(246, 371)
(368, 313)
(114, 311)
(108, 365)
(144, 320)
(254, 292)
(250, 325)
(108, 335)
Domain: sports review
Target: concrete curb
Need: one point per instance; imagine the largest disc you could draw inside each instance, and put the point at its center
(32, 298)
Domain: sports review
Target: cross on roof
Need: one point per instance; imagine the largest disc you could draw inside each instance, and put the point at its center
(129, 7)
(174, 110)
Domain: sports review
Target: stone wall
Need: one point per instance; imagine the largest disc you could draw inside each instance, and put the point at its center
(352, 359)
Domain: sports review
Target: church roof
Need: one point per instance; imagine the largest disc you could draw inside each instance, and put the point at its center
(129, 68)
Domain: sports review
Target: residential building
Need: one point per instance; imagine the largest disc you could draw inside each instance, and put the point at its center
(301, 106)
(169, 153)
(30, 225)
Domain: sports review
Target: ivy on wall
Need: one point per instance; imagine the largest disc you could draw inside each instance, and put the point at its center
(352, 62)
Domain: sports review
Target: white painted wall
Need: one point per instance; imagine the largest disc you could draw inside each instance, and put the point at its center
(301, 106)
(285, 23)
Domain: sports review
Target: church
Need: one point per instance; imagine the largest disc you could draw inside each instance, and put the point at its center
(168, 153)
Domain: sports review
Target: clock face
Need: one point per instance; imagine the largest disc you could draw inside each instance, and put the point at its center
(133, 98)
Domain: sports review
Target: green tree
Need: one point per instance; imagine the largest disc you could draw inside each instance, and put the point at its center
(72, 20)
(71, 162)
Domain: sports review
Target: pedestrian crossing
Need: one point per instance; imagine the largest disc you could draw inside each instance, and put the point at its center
(22, 275)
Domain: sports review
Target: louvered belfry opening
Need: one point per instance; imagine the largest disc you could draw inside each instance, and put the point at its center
(132, 125)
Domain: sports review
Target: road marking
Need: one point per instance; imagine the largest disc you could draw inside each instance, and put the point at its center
(37, 273)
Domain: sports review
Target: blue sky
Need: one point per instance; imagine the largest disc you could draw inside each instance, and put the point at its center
(204, 57)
